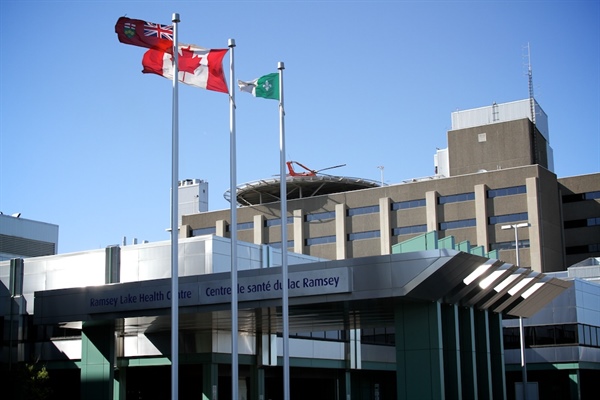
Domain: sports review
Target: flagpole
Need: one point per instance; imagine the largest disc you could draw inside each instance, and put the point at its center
(174, 221)
(284, 266)
(233, 231)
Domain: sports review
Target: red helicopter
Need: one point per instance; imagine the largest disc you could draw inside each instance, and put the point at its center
(309, 172)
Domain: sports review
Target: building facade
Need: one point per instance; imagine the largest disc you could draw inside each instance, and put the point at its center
(367, 321)
(497, 170)
(401, 326)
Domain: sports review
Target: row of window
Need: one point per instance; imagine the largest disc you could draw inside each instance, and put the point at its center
(553, 335)
(381, 336)
(405, 230)
(509, 191)
(523, 244)
(572, 198)
(535, 336)
(492, 193)
(583, 249)
(327, 215)
(582, 223)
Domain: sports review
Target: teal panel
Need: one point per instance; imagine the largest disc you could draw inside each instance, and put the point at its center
(120, 386)
(431, 239)
(483, 357)
(417, 243)
(451, 345)
(467, 353)
(574, 386)
(447, 243)
(257, 386)
(97, 355)
(478, 251)
(419, 351)
(426, 241)
(464, 246)
(497, 356)
(493, 254)
(210, 381)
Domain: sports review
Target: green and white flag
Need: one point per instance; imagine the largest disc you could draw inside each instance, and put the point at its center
(266, 86)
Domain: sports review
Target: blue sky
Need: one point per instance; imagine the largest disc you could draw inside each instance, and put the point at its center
(85, 137)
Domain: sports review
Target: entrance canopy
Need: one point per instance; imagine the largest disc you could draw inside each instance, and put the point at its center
(322, 296)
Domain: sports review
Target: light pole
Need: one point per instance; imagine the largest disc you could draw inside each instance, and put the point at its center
(381, 167)
(521, 336)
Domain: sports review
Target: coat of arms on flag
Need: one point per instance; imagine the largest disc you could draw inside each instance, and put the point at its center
(129, 29)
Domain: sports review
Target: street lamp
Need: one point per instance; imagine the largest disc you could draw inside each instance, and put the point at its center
(521, 336)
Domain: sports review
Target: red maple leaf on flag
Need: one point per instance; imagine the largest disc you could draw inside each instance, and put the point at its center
(188, 61)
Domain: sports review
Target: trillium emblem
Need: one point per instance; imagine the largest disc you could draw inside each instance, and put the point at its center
(129, 29)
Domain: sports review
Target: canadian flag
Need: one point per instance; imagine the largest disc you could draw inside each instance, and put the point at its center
(197, 66)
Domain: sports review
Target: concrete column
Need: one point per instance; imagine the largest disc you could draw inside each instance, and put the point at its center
(482, 347)
(97, 360)
(210, 381)
(185, 231)
(467, 352)
(259, 229)
(385, 229)
(221, 228)
(419, 351)
(451, 342)
(534, 219)
(298, 231)
(431, 207)
(497, 356)
(481, 217)
(340, 232)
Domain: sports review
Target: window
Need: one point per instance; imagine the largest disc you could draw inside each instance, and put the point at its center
(401, 205)
(319, 240)
(572, 198)
(566, 334)
(362, 210)
(583, 249)
(380, 336)
(456, 198)
(510, 245)
(543, 336)
(502, 219)
(363, 235)
(407, 230)
(581, 223)
(277, 221)
(245, 225)
(509, 191)
(337, 336)
(320, 216)
(277, 245)
(462, 223)
(204, 231)
(549, 335)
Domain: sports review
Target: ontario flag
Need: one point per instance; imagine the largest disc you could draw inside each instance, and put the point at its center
(197, 66)
(145, 34)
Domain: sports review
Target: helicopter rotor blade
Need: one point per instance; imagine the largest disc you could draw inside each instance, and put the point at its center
(335, 166)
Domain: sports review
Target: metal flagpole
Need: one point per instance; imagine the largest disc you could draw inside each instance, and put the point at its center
(174, 221)
(233, 231)
(284, 266)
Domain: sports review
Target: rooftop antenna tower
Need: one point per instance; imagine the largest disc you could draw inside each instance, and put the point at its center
(530, 80)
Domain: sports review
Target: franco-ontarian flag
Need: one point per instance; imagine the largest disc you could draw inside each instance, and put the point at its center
(266, 86)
